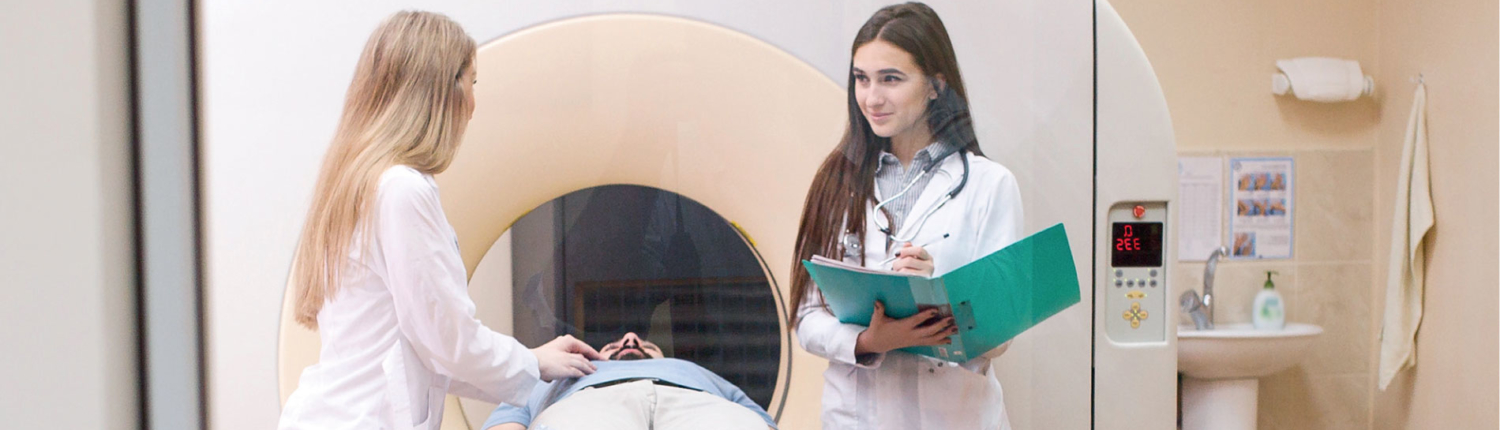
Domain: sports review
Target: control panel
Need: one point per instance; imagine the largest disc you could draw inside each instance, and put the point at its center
(1136, 277)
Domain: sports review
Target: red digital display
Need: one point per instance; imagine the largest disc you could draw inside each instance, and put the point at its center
(1129, 241)
(1136, 244)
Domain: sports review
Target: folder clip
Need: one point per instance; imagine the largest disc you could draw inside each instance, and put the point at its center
(963, 315)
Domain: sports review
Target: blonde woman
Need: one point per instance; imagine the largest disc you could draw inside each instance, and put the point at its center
(378, 271)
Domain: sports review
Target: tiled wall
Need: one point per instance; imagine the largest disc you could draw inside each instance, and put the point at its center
(1327, 282)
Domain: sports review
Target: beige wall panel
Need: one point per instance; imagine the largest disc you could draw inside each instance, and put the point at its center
(1454, 45)
(1215, 60)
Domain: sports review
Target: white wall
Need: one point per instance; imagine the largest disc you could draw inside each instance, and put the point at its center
(274, 73)
(66, 268)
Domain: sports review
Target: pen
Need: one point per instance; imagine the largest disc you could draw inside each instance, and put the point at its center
(924, 246)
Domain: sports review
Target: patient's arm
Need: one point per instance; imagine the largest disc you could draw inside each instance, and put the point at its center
(510, 417)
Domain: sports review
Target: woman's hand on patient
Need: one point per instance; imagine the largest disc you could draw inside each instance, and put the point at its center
(565, 357)
(913, 259)
(886, 333)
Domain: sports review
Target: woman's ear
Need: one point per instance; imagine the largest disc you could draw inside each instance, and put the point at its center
(938, 85)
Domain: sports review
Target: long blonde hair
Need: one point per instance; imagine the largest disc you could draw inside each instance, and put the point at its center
(406, 106)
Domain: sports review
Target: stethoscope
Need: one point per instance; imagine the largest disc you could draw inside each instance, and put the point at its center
(852, 243)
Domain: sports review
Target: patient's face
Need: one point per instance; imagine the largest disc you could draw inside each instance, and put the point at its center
(630, 347)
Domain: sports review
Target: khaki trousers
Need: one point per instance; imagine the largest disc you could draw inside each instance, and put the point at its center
(642, 405)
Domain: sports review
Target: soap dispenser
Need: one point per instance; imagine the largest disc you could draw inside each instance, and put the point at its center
(1270, 309)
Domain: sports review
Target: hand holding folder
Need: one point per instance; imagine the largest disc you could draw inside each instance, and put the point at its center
(991, 299)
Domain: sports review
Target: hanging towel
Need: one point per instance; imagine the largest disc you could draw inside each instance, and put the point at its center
(1323, 79)
(1412, 221)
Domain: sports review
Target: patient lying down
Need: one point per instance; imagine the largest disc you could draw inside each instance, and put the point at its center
(636, 388)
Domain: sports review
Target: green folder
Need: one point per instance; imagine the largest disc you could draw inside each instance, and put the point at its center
(991, 299)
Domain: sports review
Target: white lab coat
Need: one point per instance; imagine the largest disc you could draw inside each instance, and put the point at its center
(899, 390)
(400, 333)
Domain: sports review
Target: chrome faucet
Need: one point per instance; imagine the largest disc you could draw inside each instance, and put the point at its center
(1208, 282)
(1193, 306)
(1202, 311)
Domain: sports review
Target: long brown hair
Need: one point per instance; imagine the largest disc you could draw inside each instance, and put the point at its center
(845, 183)
(406, 106)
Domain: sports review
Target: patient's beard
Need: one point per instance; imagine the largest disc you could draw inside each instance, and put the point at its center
(629, 354)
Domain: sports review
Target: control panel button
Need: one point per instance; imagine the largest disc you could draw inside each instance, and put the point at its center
(1135, 315)
(1130, 283)
(1119, 282)
(1153, 283)
(1153, 273)
(1119, 273)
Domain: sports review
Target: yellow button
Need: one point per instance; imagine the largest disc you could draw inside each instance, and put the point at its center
(1135, 315)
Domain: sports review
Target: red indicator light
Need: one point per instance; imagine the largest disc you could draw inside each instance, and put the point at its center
(1140, 211)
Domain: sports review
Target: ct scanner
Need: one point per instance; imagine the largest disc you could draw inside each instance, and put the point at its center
(739, 126)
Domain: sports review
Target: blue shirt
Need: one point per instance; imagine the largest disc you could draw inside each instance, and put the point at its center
(680, 372)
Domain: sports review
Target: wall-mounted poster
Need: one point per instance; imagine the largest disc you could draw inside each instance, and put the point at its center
(1200, 197)
(1260, 206)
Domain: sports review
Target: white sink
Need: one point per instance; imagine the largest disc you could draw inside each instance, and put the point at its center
(1239, 351)
(1222, 366)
